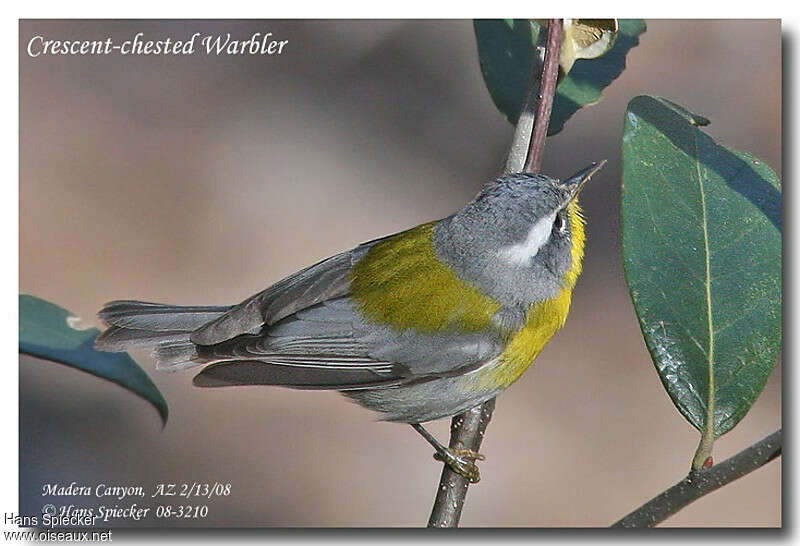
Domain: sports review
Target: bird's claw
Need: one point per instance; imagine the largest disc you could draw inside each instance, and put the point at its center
(461, 461)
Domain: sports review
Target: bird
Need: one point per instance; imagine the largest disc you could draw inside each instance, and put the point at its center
(417, 326)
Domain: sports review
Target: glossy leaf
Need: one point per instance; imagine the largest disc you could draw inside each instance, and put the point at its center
(50, 332)
(508, 48)
(701, 236)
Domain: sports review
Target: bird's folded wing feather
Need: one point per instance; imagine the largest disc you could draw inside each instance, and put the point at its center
(325, 280)
(330, 345)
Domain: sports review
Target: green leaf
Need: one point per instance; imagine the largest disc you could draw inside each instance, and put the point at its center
(701, 244)
(50, 332)
(507, 51)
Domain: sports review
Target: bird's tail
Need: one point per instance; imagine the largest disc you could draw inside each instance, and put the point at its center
(165, 328)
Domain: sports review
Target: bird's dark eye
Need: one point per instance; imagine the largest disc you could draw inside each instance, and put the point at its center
(559, 224)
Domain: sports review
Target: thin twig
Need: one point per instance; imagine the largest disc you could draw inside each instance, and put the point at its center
(702, 482)
(520, 143)
(466, 429)
(547, 91)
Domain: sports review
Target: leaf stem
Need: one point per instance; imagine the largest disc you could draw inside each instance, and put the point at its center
(707, 435)
(702, 482)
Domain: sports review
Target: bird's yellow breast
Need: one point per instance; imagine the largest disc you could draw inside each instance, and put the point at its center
(543, 319)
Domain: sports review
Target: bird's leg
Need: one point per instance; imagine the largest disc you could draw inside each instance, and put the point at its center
(462, 461)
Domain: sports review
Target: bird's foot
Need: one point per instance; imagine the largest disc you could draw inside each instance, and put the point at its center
(462, 462)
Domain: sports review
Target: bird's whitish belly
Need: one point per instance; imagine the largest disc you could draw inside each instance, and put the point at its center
(424, 401)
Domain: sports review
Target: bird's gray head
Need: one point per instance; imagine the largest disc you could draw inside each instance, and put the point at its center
(514, 239)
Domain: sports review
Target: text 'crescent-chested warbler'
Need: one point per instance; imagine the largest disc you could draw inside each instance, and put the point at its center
(419, 325)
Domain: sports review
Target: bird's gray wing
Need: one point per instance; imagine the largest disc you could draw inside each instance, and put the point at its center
(331, 346)
(322, 281)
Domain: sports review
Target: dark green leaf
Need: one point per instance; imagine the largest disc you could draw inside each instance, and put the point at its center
(48, 331)
(701, 236)
(507, 51)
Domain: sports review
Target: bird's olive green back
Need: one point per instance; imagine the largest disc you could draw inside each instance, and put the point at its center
(402, 284)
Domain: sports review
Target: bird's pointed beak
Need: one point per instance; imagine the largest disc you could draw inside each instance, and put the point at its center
(574, 184)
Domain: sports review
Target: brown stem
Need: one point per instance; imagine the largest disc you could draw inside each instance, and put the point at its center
(547, 91)
(466, 429)
(702, 482)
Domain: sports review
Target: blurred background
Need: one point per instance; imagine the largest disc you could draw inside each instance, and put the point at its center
(202, 179)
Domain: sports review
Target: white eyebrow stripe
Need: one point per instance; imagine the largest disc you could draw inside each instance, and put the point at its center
(522, 253)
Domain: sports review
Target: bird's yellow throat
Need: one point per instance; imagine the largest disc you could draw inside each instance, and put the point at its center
(543, 320)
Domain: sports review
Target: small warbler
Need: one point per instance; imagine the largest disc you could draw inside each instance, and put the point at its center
(419, 325)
